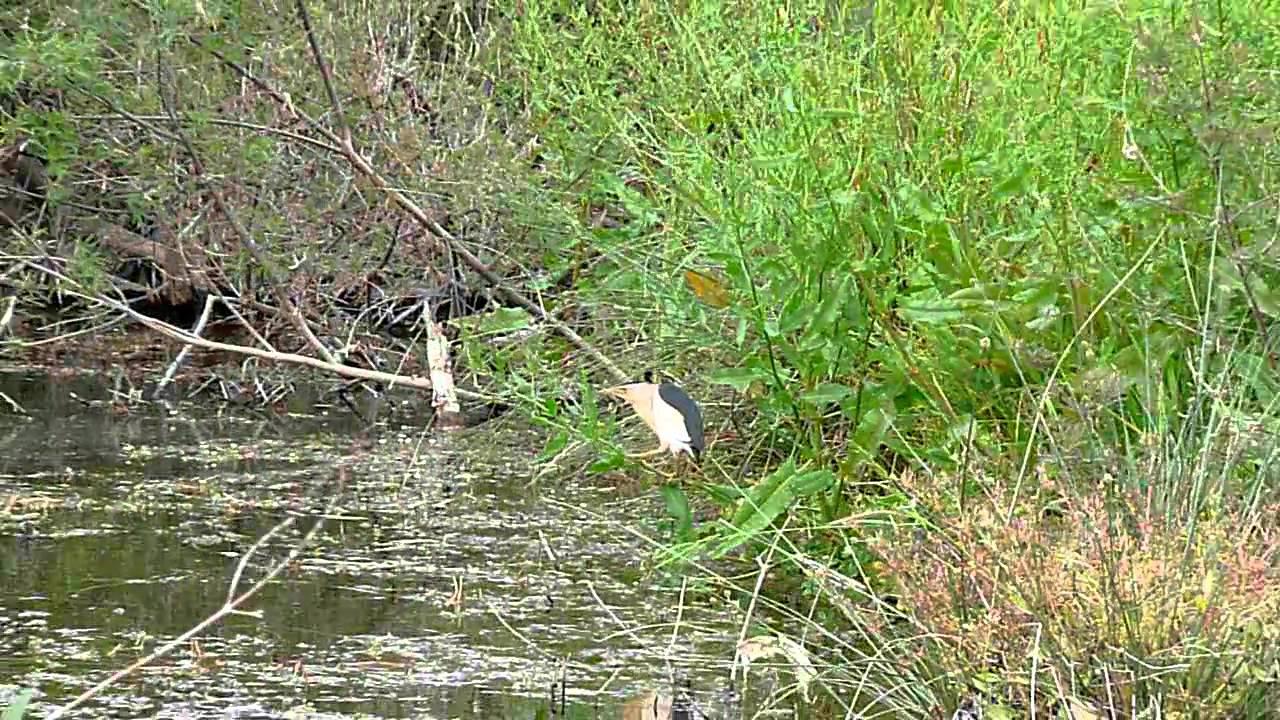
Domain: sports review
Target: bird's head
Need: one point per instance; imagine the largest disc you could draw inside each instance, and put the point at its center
(635, 394)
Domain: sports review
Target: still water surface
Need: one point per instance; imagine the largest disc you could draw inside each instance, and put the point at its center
(448, 583)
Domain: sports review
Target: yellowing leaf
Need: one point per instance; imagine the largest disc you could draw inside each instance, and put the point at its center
(709, 289)
(764, 646)
(1080, 710)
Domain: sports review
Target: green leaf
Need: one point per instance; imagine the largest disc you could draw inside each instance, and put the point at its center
(833, 301)
(678, 508)
(921, 204)
(753, 504)
(796, 313)
(837, 114)
(554, 445)
(769, 499)
(814, 481)
(1267, 298)
(871, 432)
(737, 378)
(844, 198)
(724, 495)
(1016, 184)
(503, 320)
(614, 461)
(826, 393)
(933, 312)
(17, 706)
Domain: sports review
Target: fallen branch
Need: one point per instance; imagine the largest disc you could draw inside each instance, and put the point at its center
(444, 396)
(189, 338)
(209, 300)
(232, 603)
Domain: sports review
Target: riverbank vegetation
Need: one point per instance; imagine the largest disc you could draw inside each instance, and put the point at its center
(981, 299)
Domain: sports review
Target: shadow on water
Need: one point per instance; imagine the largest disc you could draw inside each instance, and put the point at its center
(448, 585)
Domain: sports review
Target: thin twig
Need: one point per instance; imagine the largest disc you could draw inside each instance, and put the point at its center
(209, 300)
(442, 237)
(230, 606)
(183, 336)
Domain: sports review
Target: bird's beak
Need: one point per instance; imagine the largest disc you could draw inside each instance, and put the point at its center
(615, 392)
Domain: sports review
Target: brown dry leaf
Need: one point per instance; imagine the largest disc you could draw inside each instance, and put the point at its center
(1078, 709)
(709, 289)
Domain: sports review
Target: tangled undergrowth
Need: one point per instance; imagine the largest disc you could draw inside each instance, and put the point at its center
(980, 299)
(1106, 600)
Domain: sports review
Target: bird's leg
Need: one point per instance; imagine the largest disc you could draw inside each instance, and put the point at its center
(651, 453)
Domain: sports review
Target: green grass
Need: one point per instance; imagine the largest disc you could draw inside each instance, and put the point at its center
(1018, 251)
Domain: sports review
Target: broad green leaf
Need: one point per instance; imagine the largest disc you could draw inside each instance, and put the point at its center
(753, 502)
(939, 311)
(503, 320)
(678, 508)
(987, 292)
(1228, 278)
(739, 378)
(1016, 183)
(1268, 299)
(769, 499)
(833, 301)
(814, 481)
(723, 494)
(614, 461)
(871, 431)
(796, 313)
(1037, 293)
(554, 445)
(826, 393)
(921, 204)
(18, 705)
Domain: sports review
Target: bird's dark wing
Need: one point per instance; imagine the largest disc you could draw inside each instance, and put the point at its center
(680, 400)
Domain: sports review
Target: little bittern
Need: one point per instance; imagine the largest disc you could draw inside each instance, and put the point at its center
(668, 411)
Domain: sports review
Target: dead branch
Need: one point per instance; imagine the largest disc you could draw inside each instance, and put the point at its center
(441, 236)
(209, 301)
(188, 338)
(444, 397)
(233, 602)
(282, 295)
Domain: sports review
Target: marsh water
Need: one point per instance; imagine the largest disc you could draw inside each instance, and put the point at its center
(449, 579)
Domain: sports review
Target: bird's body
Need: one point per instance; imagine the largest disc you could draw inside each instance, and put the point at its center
(683, 422)
(669, 412)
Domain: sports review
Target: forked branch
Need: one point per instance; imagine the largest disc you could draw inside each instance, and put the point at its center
(442, 236)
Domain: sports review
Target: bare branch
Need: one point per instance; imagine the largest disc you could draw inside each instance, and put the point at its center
(441, 236)
(232, 603)
(188, 338)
